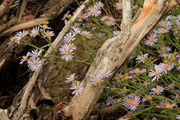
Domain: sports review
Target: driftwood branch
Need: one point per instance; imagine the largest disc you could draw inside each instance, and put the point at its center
(41, 73)
(121, 47)
(5, 6)
(25, 25)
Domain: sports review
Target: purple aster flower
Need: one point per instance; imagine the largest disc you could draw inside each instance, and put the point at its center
(119, 5)
(48, 34)
(151, 39)
(157, 90)
(77, 87)
(156, 73)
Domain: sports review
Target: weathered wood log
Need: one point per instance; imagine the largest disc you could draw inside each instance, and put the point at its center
(25, 98)
(114, 52)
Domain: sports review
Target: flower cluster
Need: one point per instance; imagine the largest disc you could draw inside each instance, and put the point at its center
(40, 30)
(78, 87)
(109, 21)
(33, 59)
(99, 77)
(131, 102)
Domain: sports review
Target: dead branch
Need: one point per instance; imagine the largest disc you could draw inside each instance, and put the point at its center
(3, 27)
(40, 75)
(22, 9)
(121, 47)
(5, 6)
(26, 25)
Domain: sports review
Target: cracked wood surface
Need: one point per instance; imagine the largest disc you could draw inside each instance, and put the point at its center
(113, 53)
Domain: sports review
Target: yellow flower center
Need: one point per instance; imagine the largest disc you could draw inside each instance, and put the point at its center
(97, 79)
(137, 70)
(45, 26)
(81, 17)
(67, 53)
(34, 63)
(88, 13)
(134, 103)
(166, 26)
(70, 46)
(48, 34)
(120, 4)
(25, 57)
(128, 101)
(105, 73)
(151, 39)
(156, 73)
(77, 88)
(148, 97)
(110, 22)
(126, 76)
(156, 90)
(167, 105)
(165, 67)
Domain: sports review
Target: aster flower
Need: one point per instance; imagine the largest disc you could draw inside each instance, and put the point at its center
(166, 24)
(75, 30)
(160, 31)
(119, 5)
(77, 87)
(95, 12)
(178, 116)
(34, 63)
(138, 71)
(71, 78)
(110, 23)
(97, 79)
(98, 5)
(178, 67)
(86, 34)
(20, 35)
(34, 31)
(134, 103)
(100, 35)
(69, 46)
(81, 17)
(76, 24)
(25, 58)
(166, 104)
(141, 58)
(110, 100)
(157, 90)
(67, 54)
(151, 39)
(48, 34)
(69, 37)
(127, 101)
(166, 67)
(106, 73)
(146, 83)
(147, 97)
(156, 73)
(44, 27)
(116, 32)
(127, 76)
(35, 53)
